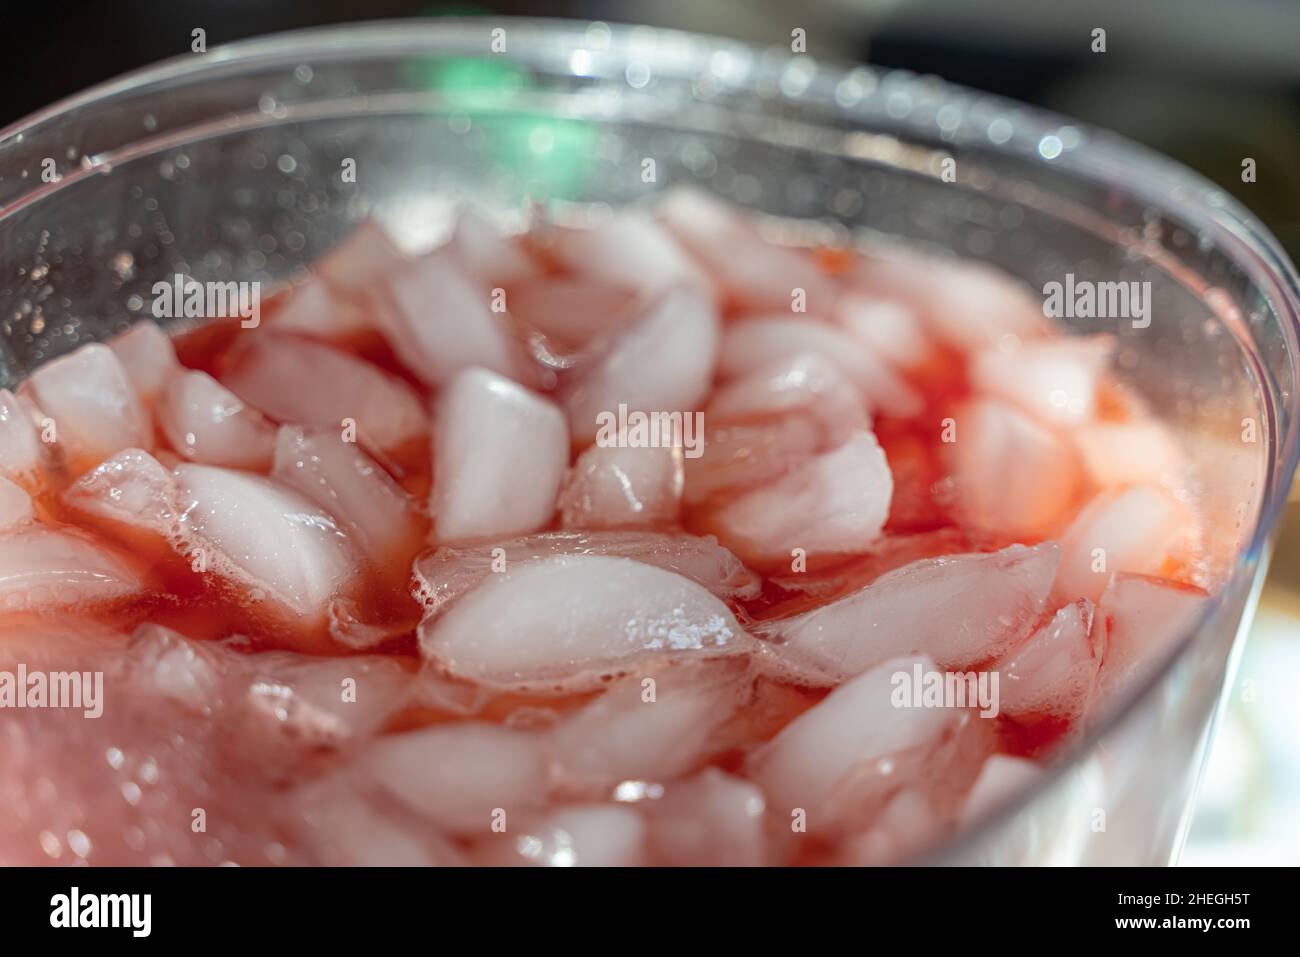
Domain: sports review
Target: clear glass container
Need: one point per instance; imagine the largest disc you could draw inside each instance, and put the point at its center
(249, 161)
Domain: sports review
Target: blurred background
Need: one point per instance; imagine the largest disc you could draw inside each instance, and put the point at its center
(1208, 82)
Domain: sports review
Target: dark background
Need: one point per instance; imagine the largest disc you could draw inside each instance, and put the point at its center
(1209, 82)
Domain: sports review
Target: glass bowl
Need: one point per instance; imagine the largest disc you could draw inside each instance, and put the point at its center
(234, 165)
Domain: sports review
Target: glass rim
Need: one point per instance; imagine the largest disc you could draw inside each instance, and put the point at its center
(1098, 156)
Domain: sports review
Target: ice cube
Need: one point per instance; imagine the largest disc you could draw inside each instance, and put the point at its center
(15, 505)
(309, 699)
(570, 623)
(885, 327)
(959, 610)
(44, 568)
(1012, 474)
(267, 537)
(1129, 453)
(147, 355)
(572, 312)
(500, 454)
(942, 773)
(317, 311)
(165, 665)
(1002, 778)
(855, 726)
(207, 423)
(439, 323)
(366, 256)
(834, 503)
(651, 727)
(662, 363)
(271, 699)
(299, 382)
(442, 576)
(1053, 380)
(968, 305)
(1140, 619)
(746, 268)
(380, 518)
(613, 487)
(1133, 529)
(433, 689)
(342, 826)
(629, 250)
(21, 453)
(579, 835)
(906, 824)
(462, 776)
(130, 497)
(65, 641)
(485, 255)
(823, 582)
(744, 455)
(711, 820)
(1053, 671)
(757, 342)
(806, 383)
(94, 408)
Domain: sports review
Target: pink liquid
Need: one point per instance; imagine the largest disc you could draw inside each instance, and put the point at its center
(357, 605)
